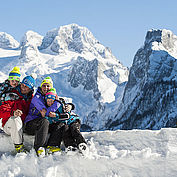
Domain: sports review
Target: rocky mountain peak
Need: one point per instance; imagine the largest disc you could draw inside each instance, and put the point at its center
(160, 47)
(162, 40)
(31, 37)
(69, 37)
(7, 41)
(150, 93)
(29, 47)
(153, 35)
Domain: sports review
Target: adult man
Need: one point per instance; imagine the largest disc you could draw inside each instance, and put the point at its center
(14, 110)
(36, 124)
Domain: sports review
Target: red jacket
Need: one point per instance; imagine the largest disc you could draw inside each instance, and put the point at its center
(8, 107)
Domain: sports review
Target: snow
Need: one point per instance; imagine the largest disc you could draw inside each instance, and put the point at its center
(110, 153)
(7, 41)
(32, 38)
(106, 91)
(4, 53)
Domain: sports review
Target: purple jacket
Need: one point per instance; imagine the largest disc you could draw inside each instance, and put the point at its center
(37, 104)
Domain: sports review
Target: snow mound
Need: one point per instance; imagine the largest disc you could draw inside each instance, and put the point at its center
(110, 153)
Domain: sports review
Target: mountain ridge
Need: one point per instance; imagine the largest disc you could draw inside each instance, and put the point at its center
(80, 66)
(107, 94)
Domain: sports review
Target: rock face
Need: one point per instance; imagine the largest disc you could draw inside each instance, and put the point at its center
(85, 73)
(7, 41)
(149, 100)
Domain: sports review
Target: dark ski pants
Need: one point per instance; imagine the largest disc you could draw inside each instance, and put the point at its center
(41, 128)
(72, 135)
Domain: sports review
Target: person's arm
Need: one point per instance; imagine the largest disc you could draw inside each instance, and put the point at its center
(5, 86)
(59, 116)
(5, 110)
(53, 108)
(38, 102)
(1, 87)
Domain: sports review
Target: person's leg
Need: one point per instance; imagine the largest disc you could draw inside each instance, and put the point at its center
(68, 138)
(76, 134)
(55, 138)
(56, 133)
(13, 127)
(39, 127)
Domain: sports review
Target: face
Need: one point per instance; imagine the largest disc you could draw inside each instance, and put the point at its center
(13, 83)
(45, 88)
(25, 89)
(50, 102)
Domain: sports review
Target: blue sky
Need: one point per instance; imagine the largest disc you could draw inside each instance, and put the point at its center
(117, 24)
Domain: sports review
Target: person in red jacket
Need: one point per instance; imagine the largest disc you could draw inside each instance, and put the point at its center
(14, 110)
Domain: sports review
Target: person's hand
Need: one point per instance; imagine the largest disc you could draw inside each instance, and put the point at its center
(18, 113)
(52, 114)
(57, 98)
(68, 108)
(43, 112)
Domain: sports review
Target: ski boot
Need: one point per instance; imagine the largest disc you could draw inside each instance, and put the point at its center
(70, 150)
(41, 152)
(20, 148)
(52, 149)
(82, 147)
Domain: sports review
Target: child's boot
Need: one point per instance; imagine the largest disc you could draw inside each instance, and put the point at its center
(52, 149)
(20, 148)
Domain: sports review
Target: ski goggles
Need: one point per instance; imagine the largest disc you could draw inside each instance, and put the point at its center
(14, 78)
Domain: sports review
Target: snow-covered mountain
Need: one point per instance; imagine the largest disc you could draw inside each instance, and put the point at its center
(81, 67)
(120, 153)
(7, 41)
(149, 99)
(88, 74)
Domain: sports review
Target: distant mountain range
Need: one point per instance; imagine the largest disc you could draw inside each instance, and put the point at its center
(106, 94)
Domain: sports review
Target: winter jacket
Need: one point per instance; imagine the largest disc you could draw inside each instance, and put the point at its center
(37, 104)
(63, 117)
(5, 87)
(15, 100)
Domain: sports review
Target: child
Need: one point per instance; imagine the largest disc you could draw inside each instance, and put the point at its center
(12, 81)
(70, 123)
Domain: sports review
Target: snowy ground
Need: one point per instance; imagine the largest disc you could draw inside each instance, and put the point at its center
(134, 153)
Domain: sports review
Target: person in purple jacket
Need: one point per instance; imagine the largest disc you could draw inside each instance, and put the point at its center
(36, 124)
